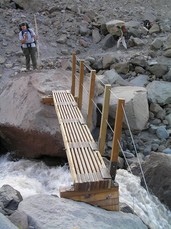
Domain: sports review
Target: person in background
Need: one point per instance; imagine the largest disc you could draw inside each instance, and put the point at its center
(27, 38)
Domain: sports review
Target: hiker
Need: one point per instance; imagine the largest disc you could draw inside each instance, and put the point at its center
(27, 38)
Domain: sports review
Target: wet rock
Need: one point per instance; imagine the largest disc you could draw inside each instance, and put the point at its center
(49, 211)
(10, 198)
(157, 170)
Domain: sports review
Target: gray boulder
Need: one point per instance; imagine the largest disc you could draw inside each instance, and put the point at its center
(28, 126)
(157, 170)
(9, 199)
(51, 212)
(136, 105)
(159, 92)
(5, 223)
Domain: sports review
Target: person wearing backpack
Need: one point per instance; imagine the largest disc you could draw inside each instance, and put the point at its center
(27, 38)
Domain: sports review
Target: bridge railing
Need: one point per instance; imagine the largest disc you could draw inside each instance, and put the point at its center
(105, 110)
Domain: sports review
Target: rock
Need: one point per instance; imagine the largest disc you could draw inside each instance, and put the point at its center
(122, 67)
(10, 198)
(159, 92)
(167, 77)
(84, 28)
(167, 53)
(34, 123)
(19, 219)
(62, 39)
(52, 212)
(155, 108)
(134, 28)
(2, 60)
(96, 36)
(162, 132)
(135, 41)
(113, 78)
(156, 44)
(140, 81)
(154, 29)
(108, 60)
(158, 69)
(5, 223)
(138, 60)
(108, 42)
(136, 105)
(168, 118)
(157, 170)
(167, 151)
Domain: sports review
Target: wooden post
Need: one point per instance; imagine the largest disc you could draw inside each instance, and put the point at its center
(104, 119)
(116, 138)
(80, 93)
(73, 74)
(91, 97)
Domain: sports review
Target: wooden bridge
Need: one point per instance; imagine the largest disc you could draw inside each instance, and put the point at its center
(93, 181)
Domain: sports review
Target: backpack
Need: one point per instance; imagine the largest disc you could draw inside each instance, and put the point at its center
(27, 30)
(30, 34)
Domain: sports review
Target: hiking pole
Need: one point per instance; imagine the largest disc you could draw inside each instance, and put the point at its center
(37, 42)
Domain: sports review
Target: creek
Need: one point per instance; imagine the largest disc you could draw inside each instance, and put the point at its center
(32, 177)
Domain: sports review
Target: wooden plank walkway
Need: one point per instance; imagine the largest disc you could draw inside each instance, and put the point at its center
(88, 170)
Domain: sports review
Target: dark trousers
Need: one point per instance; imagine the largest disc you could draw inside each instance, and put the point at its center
(30, 53)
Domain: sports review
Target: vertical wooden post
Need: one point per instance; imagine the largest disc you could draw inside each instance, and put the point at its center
(104, 119)
(80, 94)
(116, 138)
(91, 97)
(73, 74)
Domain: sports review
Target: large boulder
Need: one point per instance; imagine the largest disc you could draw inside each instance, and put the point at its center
(51, 212)
(29, 127)
(157, 170)
(136, 105)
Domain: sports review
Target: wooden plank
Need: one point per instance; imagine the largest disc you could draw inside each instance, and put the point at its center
(87, 168)
(47, 100)
(93, 195)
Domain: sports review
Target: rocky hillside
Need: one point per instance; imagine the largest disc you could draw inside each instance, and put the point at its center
(64, 26)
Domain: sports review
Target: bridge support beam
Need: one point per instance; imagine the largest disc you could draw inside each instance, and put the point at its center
(104, 198)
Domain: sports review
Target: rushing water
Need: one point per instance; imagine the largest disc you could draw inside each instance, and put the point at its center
(34, 177)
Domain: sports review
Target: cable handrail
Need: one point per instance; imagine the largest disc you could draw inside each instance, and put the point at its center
(109, 126)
